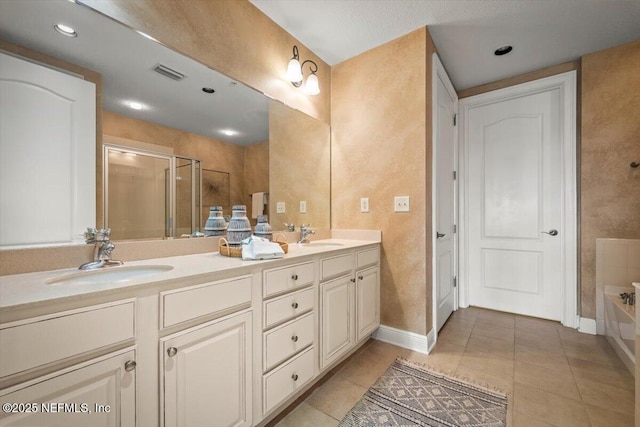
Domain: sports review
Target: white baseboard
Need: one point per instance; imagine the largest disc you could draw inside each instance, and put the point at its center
(409, 340)
(587, 326)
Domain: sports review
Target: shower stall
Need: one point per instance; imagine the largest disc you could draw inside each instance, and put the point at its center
(150, 195)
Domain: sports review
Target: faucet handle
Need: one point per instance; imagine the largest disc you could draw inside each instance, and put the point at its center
(305, 225)
(90, 235)
(290, 227)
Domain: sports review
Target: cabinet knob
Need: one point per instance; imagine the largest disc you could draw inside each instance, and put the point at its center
(294, 377)
(294, 305)
(360, 277)
(294, 338)
(353, 280)
(130, 365)
(294, 277)
(172, 351)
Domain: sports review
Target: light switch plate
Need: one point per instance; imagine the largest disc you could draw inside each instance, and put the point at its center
(401, 204)
(280, 207)
(303, 206)
(364, 204)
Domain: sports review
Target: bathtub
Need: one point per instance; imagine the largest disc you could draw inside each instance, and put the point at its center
(620, 325)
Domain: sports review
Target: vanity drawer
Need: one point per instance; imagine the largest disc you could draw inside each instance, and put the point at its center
(287, 278)
(287, 307)
(286, 340)
(336, 266)
(42, 340)
(284, 381)
(190, 303)
(367, 257)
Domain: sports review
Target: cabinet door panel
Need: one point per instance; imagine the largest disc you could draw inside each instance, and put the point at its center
(337, 309)
(65, 398)
(207, 382)
(368, 301)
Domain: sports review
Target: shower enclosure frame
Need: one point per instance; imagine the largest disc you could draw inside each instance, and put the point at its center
(170, 221)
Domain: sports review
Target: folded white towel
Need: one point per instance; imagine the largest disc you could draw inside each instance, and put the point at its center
(258, 249)
(257, 205)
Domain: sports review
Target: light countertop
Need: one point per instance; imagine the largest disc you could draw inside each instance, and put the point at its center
(22, 290)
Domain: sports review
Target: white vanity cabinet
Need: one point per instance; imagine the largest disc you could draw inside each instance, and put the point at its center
(289, 355)
(350, 302)
(230, 344)
(206, 373)
(100, 391)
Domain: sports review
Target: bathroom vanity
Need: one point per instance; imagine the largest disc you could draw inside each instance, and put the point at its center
(181, 341)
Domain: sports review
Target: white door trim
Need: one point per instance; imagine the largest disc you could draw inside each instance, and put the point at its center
(566, 83)
(438, 72)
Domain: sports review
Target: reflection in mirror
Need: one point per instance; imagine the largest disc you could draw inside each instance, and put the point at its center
(227, 130)
(150, 195)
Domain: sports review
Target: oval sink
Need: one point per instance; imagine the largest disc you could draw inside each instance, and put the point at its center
(109, 274)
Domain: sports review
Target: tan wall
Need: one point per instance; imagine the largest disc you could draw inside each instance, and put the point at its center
(381, 148)
(610, 189)
(214, 154)
(299, 147)
(231, 36)
(256, 173)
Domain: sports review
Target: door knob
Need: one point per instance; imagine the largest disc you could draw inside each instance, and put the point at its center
(551, 232)
(439, 235)
(172, 351)
(130, 365)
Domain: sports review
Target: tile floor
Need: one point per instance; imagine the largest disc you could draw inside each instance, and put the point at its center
(553, 376)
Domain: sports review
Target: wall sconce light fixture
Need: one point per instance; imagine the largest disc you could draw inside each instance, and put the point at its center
(294, 74)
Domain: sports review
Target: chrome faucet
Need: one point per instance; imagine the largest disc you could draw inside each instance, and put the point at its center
(305, 232)
(102, 249)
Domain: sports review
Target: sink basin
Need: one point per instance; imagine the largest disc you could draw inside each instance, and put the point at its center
(321, 244)
(109, 274)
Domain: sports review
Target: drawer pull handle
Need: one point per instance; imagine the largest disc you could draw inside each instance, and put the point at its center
(360, 277)
(353, 280)
(294, 338)
(172, 351)
(130, 365)
(294, 377)
(294, 277)
(294, 305)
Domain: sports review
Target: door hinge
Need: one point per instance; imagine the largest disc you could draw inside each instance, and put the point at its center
(455, 175)
(455, 281)
(455, 228)
(455, 119)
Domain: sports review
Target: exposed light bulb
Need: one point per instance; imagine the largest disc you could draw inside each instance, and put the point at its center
(135, 106)
(228, 132)
(311, 86)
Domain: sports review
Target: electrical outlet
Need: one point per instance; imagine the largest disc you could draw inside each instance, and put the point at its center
(303, 206)
(401, 204)
(364, 204)
(280, 207)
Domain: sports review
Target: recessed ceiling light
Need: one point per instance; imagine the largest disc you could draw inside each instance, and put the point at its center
(503, 50)
(135, 106)
(208, 90)
(228, 132)
(65, 30)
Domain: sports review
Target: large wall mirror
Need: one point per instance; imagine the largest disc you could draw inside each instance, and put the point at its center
(156, 100)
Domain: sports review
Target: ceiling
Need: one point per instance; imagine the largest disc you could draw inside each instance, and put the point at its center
(126, 61)
(465, 32)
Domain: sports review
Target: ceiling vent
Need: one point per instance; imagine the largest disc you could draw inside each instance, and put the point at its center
(168, 72)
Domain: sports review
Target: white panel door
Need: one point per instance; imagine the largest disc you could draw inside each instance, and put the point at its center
(445, 214)
(100, 394)
(515, 198)
(207, 375)
(47, 142)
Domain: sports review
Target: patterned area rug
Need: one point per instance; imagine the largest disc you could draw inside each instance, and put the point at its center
(410, 395)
